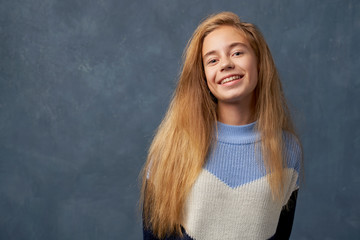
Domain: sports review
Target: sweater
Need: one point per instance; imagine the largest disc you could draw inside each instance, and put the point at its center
(231, 198)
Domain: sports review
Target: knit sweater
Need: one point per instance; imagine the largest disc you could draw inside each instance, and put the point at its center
(231, 199)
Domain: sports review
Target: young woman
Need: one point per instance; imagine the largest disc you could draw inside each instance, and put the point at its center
(225, 161)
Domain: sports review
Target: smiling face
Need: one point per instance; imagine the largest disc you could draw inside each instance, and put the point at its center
(230, 66)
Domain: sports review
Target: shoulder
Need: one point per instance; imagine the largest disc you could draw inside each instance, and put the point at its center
(293, 150)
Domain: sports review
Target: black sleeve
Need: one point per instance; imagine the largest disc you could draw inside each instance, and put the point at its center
(148, 235)
(286, 219)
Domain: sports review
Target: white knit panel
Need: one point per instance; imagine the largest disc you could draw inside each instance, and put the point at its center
(214, 211)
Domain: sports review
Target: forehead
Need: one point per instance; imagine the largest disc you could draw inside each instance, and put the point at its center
(222, 37)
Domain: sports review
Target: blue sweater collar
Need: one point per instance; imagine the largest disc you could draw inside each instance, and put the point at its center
(237, 134)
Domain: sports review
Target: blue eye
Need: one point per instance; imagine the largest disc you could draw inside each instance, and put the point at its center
(212, 61)
(238, 53)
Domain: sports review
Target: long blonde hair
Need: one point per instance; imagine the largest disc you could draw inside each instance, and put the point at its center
(180, 147)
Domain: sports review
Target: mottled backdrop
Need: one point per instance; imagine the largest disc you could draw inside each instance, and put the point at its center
(84, 84)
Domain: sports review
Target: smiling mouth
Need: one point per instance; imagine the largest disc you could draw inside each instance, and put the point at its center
(232, 78)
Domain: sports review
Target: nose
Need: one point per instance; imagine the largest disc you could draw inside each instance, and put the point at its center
(226, 64)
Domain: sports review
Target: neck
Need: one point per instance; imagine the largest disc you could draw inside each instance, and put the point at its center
(236, 113)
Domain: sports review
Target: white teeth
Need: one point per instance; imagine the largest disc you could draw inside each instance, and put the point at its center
(230, 79)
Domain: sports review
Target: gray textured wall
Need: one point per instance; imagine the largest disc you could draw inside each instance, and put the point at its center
(84, 84)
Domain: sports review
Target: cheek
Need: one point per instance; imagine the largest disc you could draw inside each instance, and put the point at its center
(256, 73)
(253, 67)
(207, 77)
(208, 83)
(210, 76)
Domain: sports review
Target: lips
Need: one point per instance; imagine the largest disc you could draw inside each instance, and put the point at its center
(231, 78)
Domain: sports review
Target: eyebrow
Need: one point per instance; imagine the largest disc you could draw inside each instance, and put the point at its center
(235, 44)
